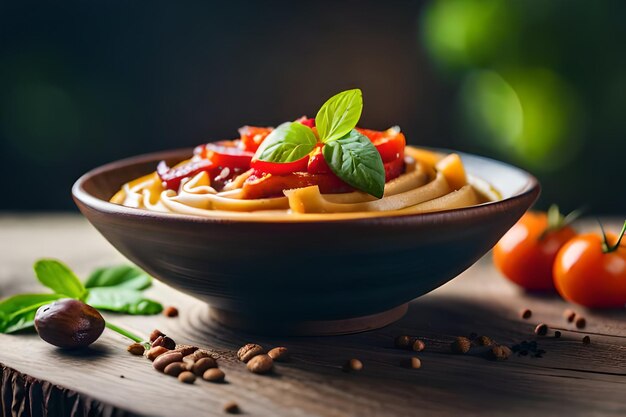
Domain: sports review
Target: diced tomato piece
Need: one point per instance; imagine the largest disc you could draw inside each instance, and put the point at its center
(389, 143)
(253, 136)
(306, 121)
(281, 168)
(226, 154)
(317, 163)
(394, 169)
(263, 185)
(172, 177)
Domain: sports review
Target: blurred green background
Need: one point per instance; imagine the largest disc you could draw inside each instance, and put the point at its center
(541, 84)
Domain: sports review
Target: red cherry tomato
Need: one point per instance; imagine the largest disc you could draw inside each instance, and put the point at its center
(226, 154)
(252, 137)
(526, 253)
(389, 143)
(171, 177)
(591, 271)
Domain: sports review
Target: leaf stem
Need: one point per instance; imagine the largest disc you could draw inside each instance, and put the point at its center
(123, 332)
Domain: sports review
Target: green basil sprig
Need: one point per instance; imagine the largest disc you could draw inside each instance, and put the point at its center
(349, 154)
(117, 289)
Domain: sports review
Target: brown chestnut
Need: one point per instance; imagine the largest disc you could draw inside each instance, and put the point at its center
(69, 323)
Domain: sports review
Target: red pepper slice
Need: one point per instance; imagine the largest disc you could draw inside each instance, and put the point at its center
(277, 168)
(394, 169)
(317, 163)
(226, 154)
(263, 185)
(253, 136)
(389, 143)
(171, 177)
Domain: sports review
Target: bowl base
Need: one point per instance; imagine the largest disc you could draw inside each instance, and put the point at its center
(252, 324)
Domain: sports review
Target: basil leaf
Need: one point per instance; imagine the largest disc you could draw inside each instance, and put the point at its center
(122, 300)
(339, 115)
(287, 143)
(18, 312)
(59, 277)
(121, 276)
(355, 160)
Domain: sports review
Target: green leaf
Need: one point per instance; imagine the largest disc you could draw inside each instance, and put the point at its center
(59, 277)
(18, 312)
(339, 115)
(122, 301)
(121, 276)
(287, 143)
(355, 160)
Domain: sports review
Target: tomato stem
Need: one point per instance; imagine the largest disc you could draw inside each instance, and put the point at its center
(557, 221)
(605, 243)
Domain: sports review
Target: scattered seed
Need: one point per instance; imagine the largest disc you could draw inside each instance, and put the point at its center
(165, 359)
(507, 351)
(403, 341)
(541, 329)
(497, 353)
(354, 365)
(155, 352)
(155, 333)
(202, 365)
(569, 315)
(213, 375)
(461, 345)
(187, 377)
(557, 334)
(186, 349)
(586, 340)
(418, 345)
(164, 341)
(136, 349)
(484, 341)
(580, 322)
(526, 313)
(249, 351)
(122, 376)
(260, 364)
(170, 311)
(175, 368)
(416, 363)
(279, 354)
(231, 407)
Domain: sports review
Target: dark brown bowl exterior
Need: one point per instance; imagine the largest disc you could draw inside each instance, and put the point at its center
(299, 271)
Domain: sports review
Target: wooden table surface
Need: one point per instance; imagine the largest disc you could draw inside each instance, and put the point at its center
(570, 378)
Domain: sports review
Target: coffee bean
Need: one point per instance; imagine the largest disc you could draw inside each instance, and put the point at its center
(213, 375)
(197, 355)
(170, 312)
(165, 359)
(260, 364)
(541, 329)
(483, 341)
(155, 333)
(403, 342)
(418, 345)
(175, 368)
(580, 322)
(187, 377)
(231, 407)
(569, 315)
(155, 352)
(201, 365)
(249, 351)
(136, 349)
(506, 350)
(497, 353)
(353, 365)
(586, 340)
(526, 313)
(279, 354)
(164, 341)
(461, 345)
(416, 363)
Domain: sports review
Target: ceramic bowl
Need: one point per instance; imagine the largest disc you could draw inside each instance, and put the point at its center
(304, 277)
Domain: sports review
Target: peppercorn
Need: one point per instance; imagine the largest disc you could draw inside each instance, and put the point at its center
(541, 329)
(461, 345)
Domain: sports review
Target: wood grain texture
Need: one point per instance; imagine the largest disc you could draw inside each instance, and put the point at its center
(571, 378)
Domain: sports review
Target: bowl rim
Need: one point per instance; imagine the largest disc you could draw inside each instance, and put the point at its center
(81, 196)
